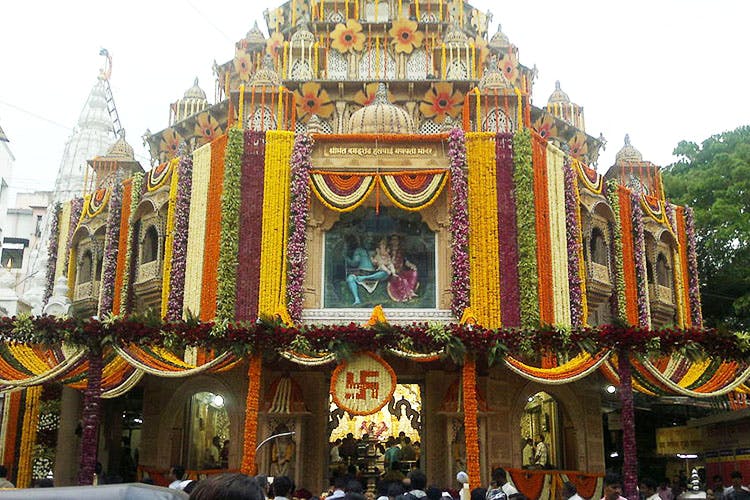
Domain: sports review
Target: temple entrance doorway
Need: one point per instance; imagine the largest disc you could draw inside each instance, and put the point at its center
(207, 422)
(386, 444)
(542, 446)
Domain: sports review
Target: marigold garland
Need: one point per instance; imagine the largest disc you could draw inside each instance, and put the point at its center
(459, 223)
(483, 239)
(299, 211)
(180, 231)
(111, 245)
(614, 203)
(471, 421)
(369, 362)
(276, 194)
(136, 192)
(76, 211)
(13, 402)
(683, 270)
(250, 432)
(528, 276)
(226, 293)
(28, 436)
(54, 236)
(169, 240)
(541, 206)
(628, 256)
(197, 228)
(213, 230)
(122, 244)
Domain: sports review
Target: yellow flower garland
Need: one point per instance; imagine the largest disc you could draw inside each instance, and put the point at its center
(483, 237)
(272, 289)
(679, 287)
(558, 238)
(197, 229)
(579, 236)
(28, 436)
(28, 358)
(62, 240)
(168, 243)
(73, 253)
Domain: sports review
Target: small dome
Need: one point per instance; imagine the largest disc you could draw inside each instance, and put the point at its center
(493, 78)
(381, 117)
(456, 37)
(255, 36)
(302, 35)
(499, 40)
(266, 75)
(121, 150)
(315, 125)
(628, 153)
(558, 96)
(195, 92)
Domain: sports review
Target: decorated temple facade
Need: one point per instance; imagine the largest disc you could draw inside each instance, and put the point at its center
(373, 231)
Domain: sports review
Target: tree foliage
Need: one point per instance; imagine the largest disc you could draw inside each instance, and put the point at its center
(714, 179)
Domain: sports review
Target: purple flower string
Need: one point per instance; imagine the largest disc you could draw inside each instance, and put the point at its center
(459, 222)
(639, 254)
(299, 212)
(507, 231)
(693, 284)
(572, 236)
(76, 208)
(180, 240)
(111, 244)
(54, 241)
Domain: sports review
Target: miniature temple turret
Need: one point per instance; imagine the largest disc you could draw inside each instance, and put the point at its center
(560, 105)
(632, 171)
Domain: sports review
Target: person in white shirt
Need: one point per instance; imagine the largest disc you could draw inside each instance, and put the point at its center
(176, 475)
(569, 492)
(649, 489)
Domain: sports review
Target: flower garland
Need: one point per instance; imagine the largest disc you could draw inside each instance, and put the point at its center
(523, 178)
(483, 240)
(250, 432)
(91, 416)
(251, 225)
(213, 230)
(628, 256)
(226, 293)
(574, 245)
(575, 369)
(76, 211)
(639, 254)
(459, 223)
(683, 270)
(506, 231)
(176, 295)
(201, 177)
(272, 289)
(692, 259)
(136, 191)
(13, 403)
(299, 211)
(61, 266)
(544, 279)
(630, 458)
(28, 436)
(169, 239)
(111, 244)
(54, 236)
(122, 244)
(671, 218)
(558, 241)
(471, 421)
(619, 304)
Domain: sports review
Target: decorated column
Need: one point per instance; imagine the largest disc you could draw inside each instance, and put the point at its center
(630, 458)
(92, 398)
(471, 424)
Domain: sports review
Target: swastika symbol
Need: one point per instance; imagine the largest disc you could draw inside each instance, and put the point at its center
(358, 389)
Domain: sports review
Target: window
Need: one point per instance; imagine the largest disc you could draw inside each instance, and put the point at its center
(85, 267)
(598, 247)
(150, 250)
(662, 271)
(12, 258)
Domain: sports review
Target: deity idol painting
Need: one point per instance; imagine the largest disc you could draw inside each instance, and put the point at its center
(386, 258)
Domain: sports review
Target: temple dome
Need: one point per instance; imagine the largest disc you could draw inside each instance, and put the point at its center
(493, 78)
(266, 75)
(628, 153)
(499, 40)
(121, 150)
(302, 36)
(255, 36)
(195, 92)
(381, 117)
(558, 96)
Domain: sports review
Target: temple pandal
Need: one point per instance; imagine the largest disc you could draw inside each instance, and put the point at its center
(372, 232)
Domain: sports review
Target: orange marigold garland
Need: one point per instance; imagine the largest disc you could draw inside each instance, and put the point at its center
(250, 434)
(122, 246)
(541, 207)
(628, 256)
(28, 436)
(370, 368)
(471, 425)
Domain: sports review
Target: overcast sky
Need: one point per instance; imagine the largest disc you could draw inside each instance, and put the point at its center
(660, 70)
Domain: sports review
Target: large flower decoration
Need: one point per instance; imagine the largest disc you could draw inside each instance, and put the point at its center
(578, 146)
(243, 64)
(170, 142)
(206, 128)
(405, 36)
(302, 11)
(508, 65)
(275, 18)
(312, 99)
(274, 44)
(479, 21)
(348, 38)
(440, 101)
(545, 126)
(366, 96)
(454, 9)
